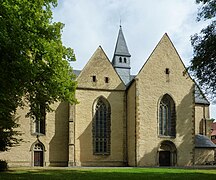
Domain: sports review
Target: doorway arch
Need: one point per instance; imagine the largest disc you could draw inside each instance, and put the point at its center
(167, 154)
(38, 154)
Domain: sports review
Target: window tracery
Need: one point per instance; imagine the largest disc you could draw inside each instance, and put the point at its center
(101, 127)
(167, 116)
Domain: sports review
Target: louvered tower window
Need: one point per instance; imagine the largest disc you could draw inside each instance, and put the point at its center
(167, 117)
(101, 127)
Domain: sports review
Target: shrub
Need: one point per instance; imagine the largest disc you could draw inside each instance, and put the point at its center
(3, 165)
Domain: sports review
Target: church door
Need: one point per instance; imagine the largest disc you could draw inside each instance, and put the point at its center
(164, 158)
(38, 158)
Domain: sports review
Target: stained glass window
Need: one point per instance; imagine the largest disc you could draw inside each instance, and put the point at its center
(101, 127)
(167, 116)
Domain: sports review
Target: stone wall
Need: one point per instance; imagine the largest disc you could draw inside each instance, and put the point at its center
(55, 140)
(164, 73)
(88, 91)
(131, 126)
(83, 129)
(204, 155)
(202, 122)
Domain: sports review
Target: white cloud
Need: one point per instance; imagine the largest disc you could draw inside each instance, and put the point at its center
(89, 24)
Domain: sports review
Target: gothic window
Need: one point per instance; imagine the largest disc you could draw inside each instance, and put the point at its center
(167, 117)
(202, 127)
(40, 122)
(120, 60)
(101, 127)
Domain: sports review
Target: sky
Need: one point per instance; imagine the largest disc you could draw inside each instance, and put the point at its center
(93, 23)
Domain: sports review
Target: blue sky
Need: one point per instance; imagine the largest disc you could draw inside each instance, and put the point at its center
(90, 23)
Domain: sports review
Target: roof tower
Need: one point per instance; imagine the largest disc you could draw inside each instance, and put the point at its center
(121, 58)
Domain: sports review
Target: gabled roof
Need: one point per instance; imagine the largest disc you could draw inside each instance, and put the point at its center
(165, 38)
(100, 66)
(199, 96)
(121, 46)
(202, 141)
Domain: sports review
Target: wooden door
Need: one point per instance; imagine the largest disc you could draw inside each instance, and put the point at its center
(164, 158)
(38, 158)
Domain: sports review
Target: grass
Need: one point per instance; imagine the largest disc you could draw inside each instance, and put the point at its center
(108, 173)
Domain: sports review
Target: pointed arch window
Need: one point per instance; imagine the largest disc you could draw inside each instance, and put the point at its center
(38, 124)
(167, 117)
(101, 127)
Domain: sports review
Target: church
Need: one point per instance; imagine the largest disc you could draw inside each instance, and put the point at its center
(158, 117)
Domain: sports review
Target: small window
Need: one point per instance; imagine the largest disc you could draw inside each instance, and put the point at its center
(167, 71)
(94, 78)
(125, 60)
(120, 60)
(106, 80)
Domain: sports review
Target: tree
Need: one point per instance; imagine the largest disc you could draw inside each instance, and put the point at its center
(34, 64)
(203, 64)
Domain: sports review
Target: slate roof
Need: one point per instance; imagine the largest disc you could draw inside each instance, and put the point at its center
(200, 97)
(202, 141)
(77, 72)
(121, 46)
(132, 77)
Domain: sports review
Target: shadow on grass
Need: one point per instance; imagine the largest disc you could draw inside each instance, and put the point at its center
(105, 174)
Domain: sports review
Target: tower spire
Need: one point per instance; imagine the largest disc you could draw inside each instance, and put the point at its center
(121, 46)
(121, 58)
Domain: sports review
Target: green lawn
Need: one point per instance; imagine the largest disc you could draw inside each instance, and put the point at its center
(109, 173)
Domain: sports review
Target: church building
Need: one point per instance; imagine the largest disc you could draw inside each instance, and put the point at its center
(158, 117)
